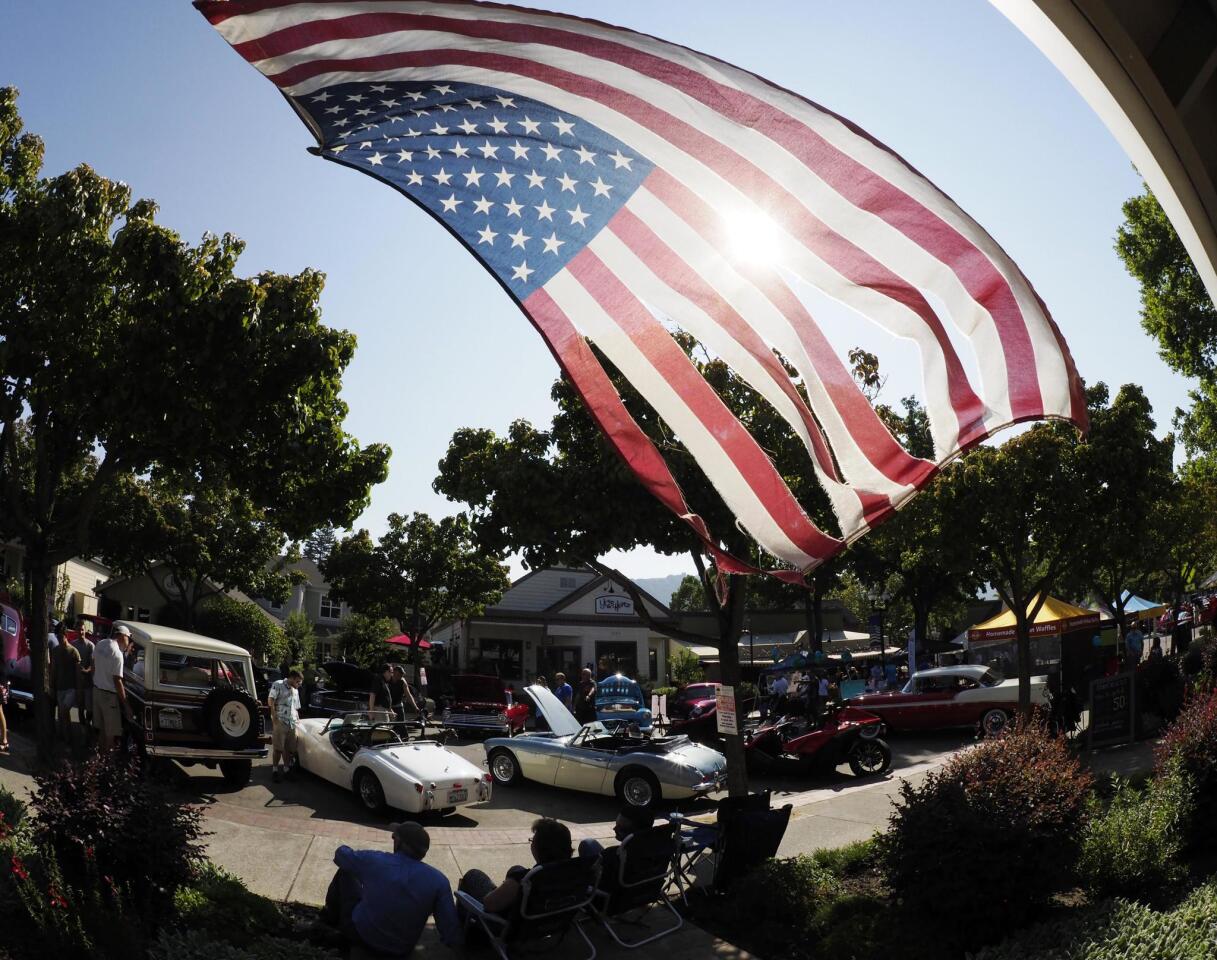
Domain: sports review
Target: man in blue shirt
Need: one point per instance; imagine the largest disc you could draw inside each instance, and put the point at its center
(563, 690)
(381, 901)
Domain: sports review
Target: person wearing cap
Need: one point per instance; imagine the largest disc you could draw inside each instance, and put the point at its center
(381, 901)
(109, 695)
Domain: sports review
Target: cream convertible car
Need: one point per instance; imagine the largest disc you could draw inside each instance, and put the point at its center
(639, 771)
(369, 754)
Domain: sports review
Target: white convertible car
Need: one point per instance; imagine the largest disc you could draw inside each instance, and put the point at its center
(370, 755)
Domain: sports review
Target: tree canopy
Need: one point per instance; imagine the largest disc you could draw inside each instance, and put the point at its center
(421, 572)
(209, 381)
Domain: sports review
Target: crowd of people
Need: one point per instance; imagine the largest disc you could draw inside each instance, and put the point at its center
(807, 690)
(381, 901)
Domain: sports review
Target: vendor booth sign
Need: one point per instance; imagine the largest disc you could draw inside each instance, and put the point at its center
(1113, 710)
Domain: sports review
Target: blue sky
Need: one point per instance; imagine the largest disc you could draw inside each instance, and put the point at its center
(146, 92)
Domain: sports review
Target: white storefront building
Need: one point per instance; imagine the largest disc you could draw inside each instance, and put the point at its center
(561, 619)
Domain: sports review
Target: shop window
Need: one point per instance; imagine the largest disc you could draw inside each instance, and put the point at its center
(616, 657)
(503, 658)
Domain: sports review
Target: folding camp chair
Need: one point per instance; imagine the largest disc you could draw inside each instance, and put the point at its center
(552, 897)
(644, 866)
(746, 834)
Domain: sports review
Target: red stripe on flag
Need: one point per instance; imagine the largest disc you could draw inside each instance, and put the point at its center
(600, 397)
(661, 352)
(854, 181)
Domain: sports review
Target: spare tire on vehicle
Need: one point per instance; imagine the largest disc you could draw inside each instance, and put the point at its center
(231, 718)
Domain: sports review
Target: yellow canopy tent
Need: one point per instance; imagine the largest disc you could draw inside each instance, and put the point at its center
(1055, 617)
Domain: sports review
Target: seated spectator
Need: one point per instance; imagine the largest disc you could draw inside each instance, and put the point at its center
(551, 843)
(630, 821)
(381, 901)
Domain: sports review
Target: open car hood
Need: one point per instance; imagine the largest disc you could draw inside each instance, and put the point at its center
(561, 721)
(348, 676)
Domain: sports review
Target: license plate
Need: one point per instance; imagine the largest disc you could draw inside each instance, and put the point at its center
(458, 796)
(170, 721)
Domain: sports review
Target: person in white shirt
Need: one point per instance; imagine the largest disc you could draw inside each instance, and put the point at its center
(109, 694)
(284, 703)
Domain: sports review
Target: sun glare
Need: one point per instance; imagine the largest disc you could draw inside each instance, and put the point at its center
(754, 237)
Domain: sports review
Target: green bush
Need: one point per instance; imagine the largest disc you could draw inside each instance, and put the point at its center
(776, 909)
(244, 624)
(176, 944)
(12, 811)
(663, 691)
(987, 839)
(1192, 742)
(849, 860)
(220, 906)
(684, 666)
(100, 818)
(1121, 930)
(1135, 847)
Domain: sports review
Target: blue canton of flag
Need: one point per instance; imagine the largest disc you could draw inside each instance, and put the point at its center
(524, 186)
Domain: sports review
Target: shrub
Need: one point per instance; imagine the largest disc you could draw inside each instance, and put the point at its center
(777, 907)
(244, 624)
(1135, 848)
(175, 944)
(1199, 663)
(12, 811)
(1192, 741)
(684, 666)
(663, 691)
(1160, 687)
(987, 838)
(1120, 930)
(849, 860)
(220, 906)
(101, 816)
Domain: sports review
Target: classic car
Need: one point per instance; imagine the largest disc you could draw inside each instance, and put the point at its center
(620, 699)
(483, 704)
(959, 696)
(193, 700)
(590, 757)
(693, 711)
(371, 755)
(16, 654)
(345, 689)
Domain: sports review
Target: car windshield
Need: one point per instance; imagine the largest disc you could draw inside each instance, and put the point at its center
(990, 679)
(198, 671)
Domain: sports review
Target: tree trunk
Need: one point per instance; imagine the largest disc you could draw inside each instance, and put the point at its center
(40, 677)
(1023, 631)
(731, 621)
(921, 627)
(816, 617)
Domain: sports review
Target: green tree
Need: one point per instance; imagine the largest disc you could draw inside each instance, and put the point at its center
(299, 638)
(684, 666)
(208, 541)
(420, 573)
(1126, 471)
(244, 392)
(690, 597)
(245, 624)
(1027, 500)
(362, 639)
(1176, 310)
(319, 544)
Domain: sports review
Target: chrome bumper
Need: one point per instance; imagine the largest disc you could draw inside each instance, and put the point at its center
(202, 753)
(473, 721)
(713, 784)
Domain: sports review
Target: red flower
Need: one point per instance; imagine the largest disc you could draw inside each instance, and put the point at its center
(88, 853)
(55, 898)
(19, 870)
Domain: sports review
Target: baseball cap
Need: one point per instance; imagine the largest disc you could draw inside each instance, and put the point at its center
(412, 836)
(123, 629)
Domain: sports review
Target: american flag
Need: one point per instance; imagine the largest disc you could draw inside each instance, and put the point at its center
(617, 185)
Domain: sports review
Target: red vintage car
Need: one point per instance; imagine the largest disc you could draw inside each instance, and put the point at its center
(484, 704)
(960, 696)
(693, 711)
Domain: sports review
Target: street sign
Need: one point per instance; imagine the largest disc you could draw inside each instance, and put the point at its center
(727, 721)
(1113, 705)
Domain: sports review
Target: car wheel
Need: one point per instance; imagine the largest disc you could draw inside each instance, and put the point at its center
(370, 792)
(505, 768)
(236, 772)
(638, 788)
(870, 758)
(993, 722)
(869, 731)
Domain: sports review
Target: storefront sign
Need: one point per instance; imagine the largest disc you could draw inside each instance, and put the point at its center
(1112, 710)
(727, 720)
(615, 606)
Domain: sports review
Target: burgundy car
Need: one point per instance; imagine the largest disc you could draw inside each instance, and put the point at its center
(484, 704)
(693, 711)
(961, 696)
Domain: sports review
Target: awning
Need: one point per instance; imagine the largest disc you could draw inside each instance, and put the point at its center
(1054, 618)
